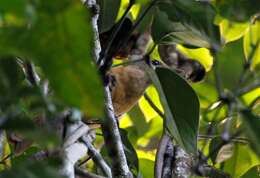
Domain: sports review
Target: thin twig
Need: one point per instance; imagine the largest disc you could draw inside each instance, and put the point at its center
(125, 40)
(114, 33)
(224, 142)
(246, 89)
(237, 139)
(84, 174)
(97, 158)
(218, 82)
(3, 161)
(168, 160)
(129, 62)
(155, 108)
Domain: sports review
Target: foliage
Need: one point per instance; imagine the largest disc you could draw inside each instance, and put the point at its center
(57, 37)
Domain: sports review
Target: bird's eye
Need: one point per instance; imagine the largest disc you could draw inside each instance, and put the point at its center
(156, 62)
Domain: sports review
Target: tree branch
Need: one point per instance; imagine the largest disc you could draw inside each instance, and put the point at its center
(109, 127)
(155, 108)
(97, 158)
(84, 174)
(113, 140)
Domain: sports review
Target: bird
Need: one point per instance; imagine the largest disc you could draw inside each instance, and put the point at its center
(127, 85)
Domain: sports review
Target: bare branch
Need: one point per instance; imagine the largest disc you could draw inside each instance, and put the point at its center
(155, 108)
(248, 88)
(113, 140)
(109, 127)
(182, 164)
(160, 155)
(97, 158)
(84, 174)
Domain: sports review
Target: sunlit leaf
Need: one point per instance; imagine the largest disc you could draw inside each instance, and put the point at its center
(200, 54)
(254, 172)
(251, 124)
(147, 110)
(146, 167)
(249, 97)
(232, 31)
(125, 121)
(252, 44)
(242, 160)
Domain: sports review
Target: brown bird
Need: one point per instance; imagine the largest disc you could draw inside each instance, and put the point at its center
(127, 85)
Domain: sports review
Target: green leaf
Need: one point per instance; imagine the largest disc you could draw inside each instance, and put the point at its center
(173, 23)
(232, 31)
(238, 10)
(146, 168)
(221, 155)
(16, 12)
(181, 106)
(206, 86)
(61, 43)
(146, 22)
(145, 107)
(10, 83)
(251, 97)
(242, 160)
(254, 172)
(138, 120)
(230, 64)
(29, 169)
(108, 13)
(252, 44)
(130, 152)
(251, 124)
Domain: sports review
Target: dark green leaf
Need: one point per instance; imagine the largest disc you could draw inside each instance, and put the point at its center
(138, 120)
(238, 10)
(181, 106)
(16, 12)
(10, 83)
(221, 154)
(230, 64)
(61, 43)
(130, 152)
(108, 14)
(186, 22)
(254, 172)
(251, 124)
(146, 22)
(206, 86)
(29, 169)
